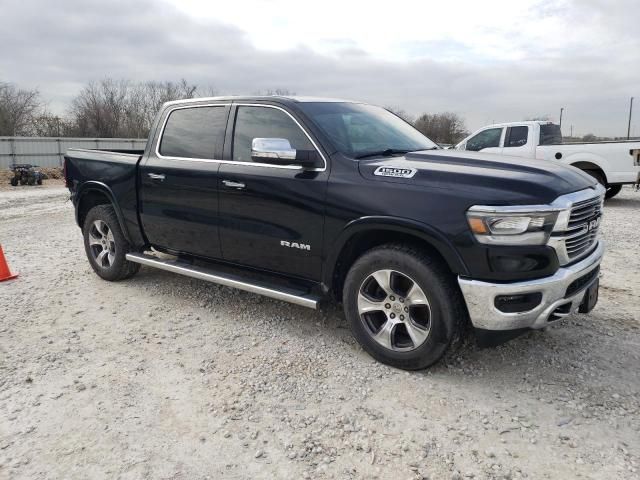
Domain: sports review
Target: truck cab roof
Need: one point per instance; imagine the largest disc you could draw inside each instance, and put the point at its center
(528, 123)
(261, 98)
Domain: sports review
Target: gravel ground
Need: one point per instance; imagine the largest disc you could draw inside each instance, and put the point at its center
(167, 377)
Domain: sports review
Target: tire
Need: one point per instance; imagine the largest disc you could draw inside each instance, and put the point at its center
(598, 176)
(39, 181)
(612, 191)
(14, 182)
(403, 333)
(106, 246)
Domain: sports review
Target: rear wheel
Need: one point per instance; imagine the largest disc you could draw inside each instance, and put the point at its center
(612, 191)
(106, 245)
(403, 306)
(14, 181)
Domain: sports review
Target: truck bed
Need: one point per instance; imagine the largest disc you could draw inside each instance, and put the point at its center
(121, 156)
(117, 174)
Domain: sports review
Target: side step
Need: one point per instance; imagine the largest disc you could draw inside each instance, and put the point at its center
(226, 279)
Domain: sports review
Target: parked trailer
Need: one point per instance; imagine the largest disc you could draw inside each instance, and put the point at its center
(49, 151)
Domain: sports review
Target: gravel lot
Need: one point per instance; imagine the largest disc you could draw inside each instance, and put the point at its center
(167, 377)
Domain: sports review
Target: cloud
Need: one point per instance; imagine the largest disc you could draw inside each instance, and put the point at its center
(555, 54)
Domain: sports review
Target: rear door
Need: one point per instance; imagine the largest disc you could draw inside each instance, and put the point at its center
(518, 142)
(487, 141)
(179, 180)
(271, 217)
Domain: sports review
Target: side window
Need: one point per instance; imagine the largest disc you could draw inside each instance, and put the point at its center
(265, 122)
(516, 137)
(550, 134)
(485, 139)
(196, 132)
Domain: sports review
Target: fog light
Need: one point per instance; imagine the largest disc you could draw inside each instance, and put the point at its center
(518, 303)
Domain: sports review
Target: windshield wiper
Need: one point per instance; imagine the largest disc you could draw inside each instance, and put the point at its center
(387, 153)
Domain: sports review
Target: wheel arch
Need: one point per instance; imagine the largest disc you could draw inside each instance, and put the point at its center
(366, 233)
(589, 164)
(95, 193)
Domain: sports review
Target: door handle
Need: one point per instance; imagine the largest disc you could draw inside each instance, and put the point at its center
(232, 184)
(156, 176)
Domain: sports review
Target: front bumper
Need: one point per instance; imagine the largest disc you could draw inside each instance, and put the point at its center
(480, 296)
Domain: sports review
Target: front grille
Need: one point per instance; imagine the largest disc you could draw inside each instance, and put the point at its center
(582, 233)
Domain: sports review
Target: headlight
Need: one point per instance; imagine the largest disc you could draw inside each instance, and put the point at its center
(511, 225)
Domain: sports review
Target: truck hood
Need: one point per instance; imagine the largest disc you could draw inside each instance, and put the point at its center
(493, 179)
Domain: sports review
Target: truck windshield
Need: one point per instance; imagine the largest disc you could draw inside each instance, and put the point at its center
(359, 130)
(550, 134)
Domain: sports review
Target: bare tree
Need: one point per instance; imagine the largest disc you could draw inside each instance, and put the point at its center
(49, 125)
(400, 113)
(209, 91)
(119, 108)
(444, 127)
(99, 108)
(18, 108)
(155, 94)
(280, 91)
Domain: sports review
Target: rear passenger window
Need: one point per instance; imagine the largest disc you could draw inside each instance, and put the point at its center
(516, 137)
(265, 122)
(196, 132)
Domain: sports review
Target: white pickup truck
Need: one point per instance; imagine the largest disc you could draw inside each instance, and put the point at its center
(613, 164)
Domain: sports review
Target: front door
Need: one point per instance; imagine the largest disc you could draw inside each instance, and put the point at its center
(487, 141)
(179, 181)
(271, 217)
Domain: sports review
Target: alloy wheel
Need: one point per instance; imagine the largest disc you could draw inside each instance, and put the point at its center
(102, 244)
(394, 310)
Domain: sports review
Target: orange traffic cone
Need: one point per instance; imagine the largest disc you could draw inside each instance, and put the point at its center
(5, 273)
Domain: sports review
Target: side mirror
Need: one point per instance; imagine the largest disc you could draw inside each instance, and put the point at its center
(278, 151)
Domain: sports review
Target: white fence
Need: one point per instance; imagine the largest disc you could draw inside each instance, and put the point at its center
(49, 151)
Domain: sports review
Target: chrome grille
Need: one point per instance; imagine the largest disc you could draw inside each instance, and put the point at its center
(581, 234)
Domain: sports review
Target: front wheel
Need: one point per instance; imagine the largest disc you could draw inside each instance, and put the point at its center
(106, 245)
(403, 306)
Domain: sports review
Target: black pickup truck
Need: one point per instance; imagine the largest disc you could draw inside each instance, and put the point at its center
(306, 199)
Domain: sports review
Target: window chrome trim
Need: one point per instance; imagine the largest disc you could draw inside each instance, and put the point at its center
(235, 162)
(164, 126)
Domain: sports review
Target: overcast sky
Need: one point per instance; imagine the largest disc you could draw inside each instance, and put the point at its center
(490, 60)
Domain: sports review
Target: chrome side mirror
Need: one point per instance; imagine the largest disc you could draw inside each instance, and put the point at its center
(273, 150)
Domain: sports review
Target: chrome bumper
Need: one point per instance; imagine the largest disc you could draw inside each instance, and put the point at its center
(480, 297)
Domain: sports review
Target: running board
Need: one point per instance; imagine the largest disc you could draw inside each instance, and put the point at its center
(228, 280)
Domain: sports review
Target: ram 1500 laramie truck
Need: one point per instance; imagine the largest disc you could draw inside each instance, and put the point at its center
(306, 200)
(612, 164)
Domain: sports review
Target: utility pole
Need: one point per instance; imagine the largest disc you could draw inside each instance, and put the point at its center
(561, 110)
(630, 111)
(571, 131)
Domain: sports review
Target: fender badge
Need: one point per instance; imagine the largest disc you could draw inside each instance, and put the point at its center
(395, 172)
